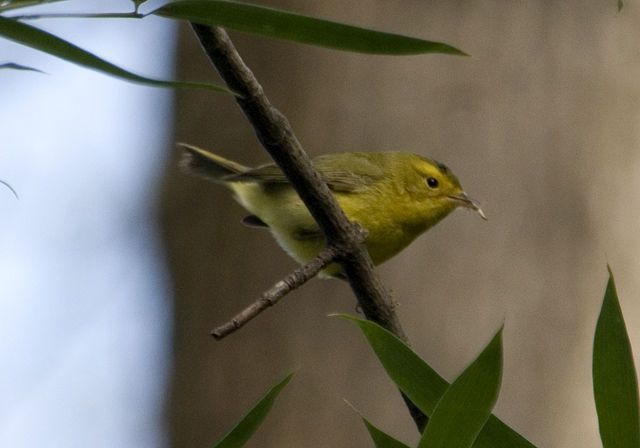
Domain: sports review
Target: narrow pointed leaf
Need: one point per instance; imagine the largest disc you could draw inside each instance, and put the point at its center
(299, 28)
(10, 188)
(615, 385)
(620, 5)
(14, 66)
(13, 4)
(467, 403)
(424, 386)
(245, 428)
(380, 438)
(55, 46)
(411, 374)
(497, 434)
(138, 3)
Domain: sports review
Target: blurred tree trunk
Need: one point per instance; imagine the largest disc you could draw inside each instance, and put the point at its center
(540, 124)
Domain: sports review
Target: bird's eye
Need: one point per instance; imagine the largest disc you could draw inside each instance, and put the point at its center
(432, 182)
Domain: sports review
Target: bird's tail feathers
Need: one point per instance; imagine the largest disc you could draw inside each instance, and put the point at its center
(208, 165)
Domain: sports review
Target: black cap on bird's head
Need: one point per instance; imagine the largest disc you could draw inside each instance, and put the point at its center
(442, 167)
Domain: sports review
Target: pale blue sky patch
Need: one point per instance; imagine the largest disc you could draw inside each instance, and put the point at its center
(85, 312)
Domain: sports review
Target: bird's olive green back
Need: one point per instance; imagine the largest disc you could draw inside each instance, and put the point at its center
(350, 172)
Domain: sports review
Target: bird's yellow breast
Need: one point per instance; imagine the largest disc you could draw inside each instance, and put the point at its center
(390, 227)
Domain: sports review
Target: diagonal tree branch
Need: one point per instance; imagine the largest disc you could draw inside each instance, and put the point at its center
(276, 135)
(270, 297)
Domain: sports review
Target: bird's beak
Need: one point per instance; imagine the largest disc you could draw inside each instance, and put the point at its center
(466, 201)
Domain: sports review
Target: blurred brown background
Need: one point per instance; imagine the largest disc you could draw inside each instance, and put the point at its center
(540, 125)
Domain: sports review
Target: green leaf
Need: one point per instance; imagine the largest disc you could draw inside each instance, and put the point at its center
(615, 386)
(43, 41)
(137, 4)
(299, 28)
(245, 428)
(380, 438)
(620, 5)
(6, 5)
(425, 387)
(14, 66)
(411, 374)
(496, 434)
(466, 405)
(10, 188)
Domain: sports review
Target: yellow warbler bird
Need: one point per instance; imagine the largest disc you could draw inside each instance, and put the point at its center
(395, 196)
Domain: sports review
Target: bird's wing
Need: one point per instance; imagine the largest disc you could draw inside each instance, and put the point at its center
(348, 172)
